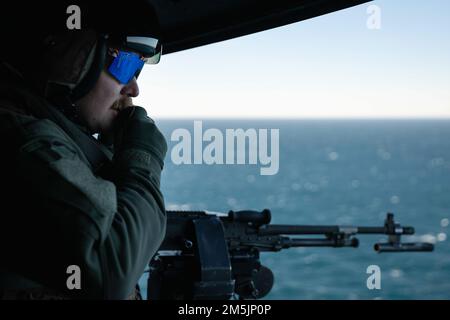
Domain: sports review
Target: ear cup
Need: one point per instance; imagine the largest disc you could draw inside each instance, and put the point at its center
(97, 65)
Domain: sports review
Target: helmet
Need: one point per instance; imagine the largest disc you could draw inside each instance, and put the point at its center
(63, 65)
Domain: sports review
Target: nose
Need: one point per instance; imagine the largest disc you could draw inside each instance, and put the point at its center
(131, 89)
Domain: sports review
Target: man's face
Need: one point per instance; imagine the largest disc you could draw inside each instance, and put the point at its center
(100, 106)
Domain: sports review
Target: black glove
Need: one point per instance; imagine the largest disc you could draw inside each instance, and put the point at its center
(135, 130)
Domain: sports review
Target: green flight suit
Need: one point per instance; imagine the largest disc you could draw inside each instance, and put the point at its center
(59, 207)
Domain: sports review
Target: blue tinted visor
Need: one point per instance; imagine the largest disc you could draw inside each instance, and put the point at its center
(125, 66)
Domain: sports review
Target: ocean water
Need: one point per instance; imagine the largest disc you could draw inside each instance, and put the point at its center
(345, 172)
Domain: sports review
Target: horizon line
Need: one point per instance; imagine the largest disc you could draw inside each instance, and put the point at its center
(199, 118)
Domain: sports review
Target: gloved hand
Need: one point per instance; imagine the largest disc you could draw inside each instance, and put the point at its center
(135, 130)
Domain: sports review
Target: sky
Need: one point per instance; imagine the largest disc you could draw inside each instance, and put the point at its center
(332, 66)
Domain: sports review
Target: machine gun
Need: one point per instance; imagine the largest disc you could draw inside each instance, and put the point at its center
(217, 256)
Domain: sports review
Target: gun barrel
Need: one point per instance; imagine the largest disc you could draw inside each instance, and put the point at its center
(302, 229)
(277, 229)
(351, 242)
(384, 230)
(403, 247)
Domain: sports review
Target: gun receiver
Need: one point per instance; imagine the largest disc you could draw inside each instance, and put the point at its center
(217, 256)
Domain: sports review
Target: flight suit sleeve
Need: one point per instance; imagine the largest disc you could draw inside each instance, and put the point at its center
(109, 229)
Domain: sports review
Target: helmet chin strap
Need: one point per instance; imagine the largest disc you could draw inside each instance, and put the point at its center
(64, 104)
